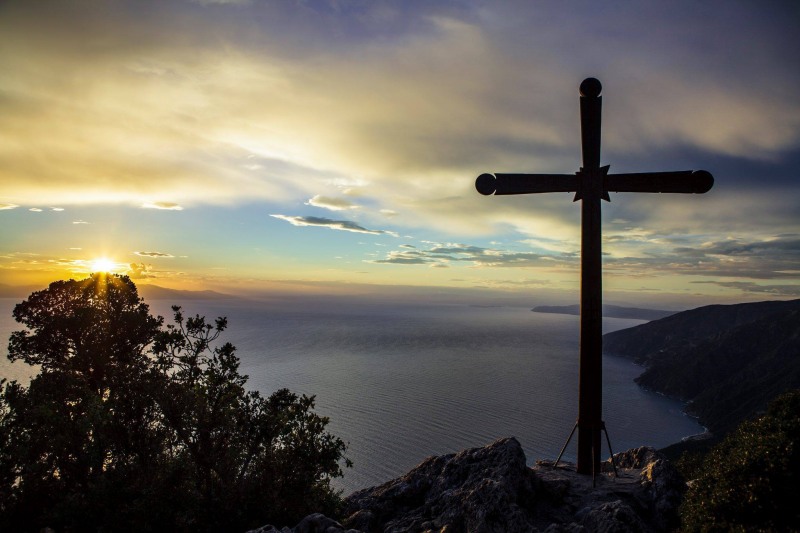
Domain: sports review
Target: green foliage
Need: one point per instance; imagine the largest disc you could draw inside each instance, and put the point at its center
(749, 481)
(131, 425)
(248, 454)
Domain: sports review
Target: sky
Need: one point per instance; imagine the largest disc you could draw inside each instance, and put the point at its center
(332, 146)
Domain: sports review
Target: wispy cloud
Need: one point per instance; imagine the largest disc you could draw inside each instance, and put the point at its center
(773, 258)
(769, 259)
(333, 204)
(171, 206)
(756, 288)
(153, 254)
(8, 206)
(453, 253)
(343, 225)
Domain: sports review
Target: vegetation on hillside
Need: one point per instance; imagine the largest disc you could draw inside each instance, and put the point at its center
(131, 425)
(748, 482)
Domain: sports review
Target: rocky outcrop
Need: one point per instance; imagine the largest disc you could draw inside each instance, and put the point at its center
(313, 523)
(481, 489)
(491, 489)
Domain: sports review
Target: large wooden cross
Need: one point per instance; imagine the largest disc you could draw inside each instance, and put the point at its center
(591, 184)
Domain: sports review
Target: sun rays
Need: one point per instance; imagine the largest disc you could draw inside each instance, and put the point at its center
(103, 265)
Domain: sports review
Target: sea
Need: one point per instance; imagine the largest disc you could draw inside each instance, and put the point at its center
(401, 382)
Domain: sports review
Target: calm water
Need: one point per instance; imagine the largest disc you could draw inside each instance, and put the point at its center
(402, 383)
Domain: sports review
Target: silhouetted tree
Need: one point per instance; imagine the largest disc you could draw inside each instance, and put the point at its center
(749, 481)
(132, 426)
(88, 412)
(250, 456)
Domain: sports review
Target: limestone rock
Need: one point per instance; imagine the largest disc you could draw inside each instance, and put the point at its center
(313, 523)
(270, 529)
(480, 489)
(613, 517)
(664, 488)
(491, 489)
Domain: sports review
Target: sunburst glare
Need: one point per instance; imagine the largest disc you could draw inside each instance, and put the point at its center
(103, 264)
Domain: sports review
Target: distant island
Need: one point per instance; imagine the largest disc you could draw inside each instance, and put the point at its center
(610, 311)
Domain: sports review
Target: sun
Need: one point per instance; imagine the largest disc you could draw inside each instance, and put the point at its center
(103, 264)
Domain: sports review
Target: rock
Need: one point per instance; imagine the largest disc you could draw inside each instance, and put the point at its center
(634, 458)
(319, 523)
(270, 529)
(480, 489)
(662, 485)
(313, 523)
(665, 487)
(491, 489)
(613, 517)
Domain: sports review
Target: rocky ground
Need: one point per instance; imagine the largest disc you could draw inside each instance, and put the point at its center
(491, 489)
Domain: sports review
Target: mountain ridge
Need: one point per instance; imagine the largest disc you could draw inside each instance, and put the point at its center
(726, 361)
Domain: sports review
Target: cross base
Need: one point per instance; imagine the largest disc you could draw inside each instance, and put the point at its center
(594, 462)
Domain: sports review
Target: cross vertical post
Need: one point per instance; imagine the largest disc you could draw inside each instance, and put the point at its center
(590, 380)
(591, 184)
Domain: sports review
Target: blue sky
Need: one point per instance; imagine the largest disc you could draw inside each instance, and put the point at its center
(332, 146)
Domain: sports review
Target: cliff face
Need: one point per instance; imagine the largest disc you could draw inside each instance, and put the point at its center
(727, 361)
(491, 489)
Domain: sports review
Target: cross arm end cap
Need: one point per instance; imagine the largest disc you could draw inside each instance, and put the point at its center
(486, 184)
(703, 180)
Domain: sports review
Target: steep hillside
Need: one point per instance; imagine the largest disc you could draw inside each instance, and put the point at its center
(727, 361)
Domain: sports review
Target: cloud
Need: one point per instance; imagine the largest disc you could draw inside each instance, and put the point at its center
(163, 205)
(405, 103)
(153, 254)
(403, 258)
(343, 225)
(771, 258)
(446, 254)
(411, 98)
(756, 288)
(79, 222)
(140, 271)
(334, 204)
(774, 258)
(35, 209)
(8, 206)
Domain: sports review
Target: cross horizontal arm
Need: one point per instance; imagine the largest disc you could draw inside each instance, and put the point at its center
(525, 183)
(683, 181)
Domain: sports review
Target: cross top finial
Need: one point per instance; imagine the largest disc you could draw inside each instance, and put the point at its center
(591, 87)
